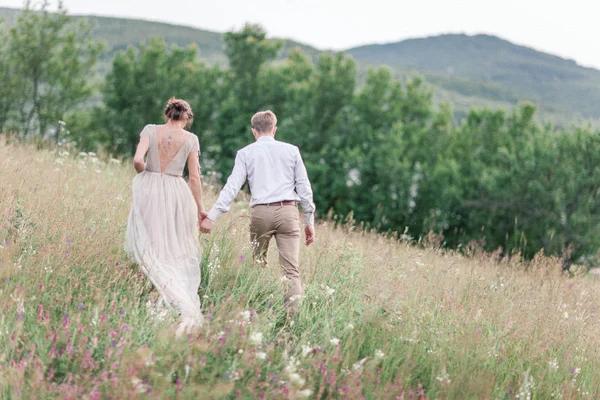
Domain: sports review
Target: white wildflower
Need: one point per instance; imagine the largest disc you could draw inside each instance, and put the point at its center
(246, 314)
(443, 377)
(261, 355)
(306, 350)
(329, 291)
(240, 351)
(379, 354)
(526, 387)
(357, 366)
(256, 338)
(305, 393)
(334, 341)
(296, 379)
(350, 326)
(139, 385)
(553, 364)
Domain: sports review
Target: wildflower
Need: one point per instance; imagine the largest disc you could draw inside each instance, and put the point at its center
(296, 379)
(443, 377)
(240, 351)
(359, 364)
(526, 387)
(261, 355)
(334, 341)
(305, 393)
(379, 354)
(329, 291)
(553, 364)
(246, 314)
(256, 338)
(350, 326)
(306, 350)
(139, 385)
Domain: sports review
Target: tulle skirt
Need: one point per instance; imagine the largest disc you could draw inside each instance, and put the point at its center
(162, 238)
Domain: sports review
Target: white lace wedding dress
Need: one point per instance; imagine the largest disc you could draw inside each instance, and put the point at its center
(162, 228)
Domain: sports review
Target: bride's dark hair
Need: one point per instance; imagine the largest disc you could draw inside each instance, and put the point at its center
(178, 109)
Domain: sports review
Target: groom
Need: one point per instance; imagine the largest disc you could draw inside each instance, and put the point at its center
(278, 182)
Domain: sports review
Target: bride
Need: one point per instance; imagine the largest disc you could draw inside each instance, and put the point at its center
(162, 228)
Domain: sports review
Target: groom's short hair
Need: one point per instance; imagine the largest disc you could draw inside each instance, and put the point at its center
(263, 121)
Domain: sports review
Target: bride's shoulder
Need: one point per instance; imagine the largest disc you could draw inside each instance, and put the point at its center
(190, 135)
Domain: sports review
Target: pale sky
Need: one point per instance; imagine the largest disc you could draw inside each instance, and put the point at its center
(569, 29)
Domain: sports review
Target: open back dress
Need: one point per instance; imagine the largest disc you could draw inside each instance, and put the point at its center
(162, 228)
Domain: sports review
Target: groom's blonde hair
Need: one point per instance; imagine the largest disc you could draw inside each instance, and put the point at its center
(263, 121)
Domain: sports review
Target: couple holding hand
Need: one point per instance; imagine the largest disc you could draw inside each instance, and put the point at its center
(166, 211)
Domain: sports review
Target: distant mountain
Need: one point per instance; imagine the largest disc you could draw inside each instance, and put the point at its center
(120, 33)
(490, 68)
(479, 70)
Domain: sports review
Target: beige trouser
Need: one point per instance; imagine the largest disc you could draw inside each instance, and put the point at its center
(284, 223)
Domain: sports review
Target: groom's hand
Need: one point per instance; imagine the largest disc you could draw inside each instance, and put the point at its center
(309, 234)
(206, 225)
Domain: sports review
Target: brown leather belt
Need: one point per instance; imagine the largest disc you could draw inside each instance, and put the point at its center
(279, 203)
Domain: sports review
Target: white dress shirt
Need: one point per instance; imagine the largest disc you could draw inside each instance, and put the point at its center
(275, 172)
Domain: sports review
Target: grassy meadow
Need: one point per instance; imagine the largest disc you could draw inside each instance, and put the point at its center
(382, 318)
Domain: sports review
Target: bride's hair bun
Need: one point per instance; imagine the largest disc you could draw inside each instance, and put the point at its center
(177, 109)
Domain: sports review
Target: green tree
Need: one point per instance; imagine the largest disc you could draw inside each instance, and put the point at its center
(8, 90)
(140, 82)
(247, 51)
(55, 56)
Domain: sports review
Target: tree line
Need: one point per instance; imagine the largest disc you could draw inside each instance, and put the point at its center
(378, 150)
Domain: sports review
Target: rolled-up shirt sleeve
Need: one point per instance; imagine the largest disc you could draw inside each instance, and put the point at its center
(230, 190)
(304, 190)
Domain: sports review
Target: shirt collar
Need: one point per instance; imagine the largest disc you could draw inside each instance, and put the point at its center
(265, 138)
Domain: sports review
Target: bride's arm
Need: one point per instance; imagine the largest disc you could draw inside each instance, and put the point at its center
(195, 181)
(138, 159)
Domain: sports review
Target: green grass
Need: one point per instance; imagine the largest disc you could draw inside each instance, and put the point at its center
(381, 319)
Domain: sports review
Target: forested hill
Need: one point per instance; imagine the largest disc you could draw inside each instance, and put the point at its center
(467, 71)
(492, 68)
(119, 33)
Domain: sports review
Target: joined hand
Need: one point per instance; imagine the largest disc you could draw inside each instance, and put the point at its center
(206, 225)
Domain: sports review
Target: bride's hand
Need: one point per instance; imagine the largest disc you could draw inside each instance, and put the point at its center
(202, 214)
(206, 225)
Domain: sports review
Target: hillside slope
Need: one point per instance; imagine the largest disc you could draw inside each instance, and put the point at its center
(380, 318)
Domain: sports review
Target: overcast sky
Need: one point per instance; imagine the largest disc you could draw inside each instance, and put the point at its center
(569, 29)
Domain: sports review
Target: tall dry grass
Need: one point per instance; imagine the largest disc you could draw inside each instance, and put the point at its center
(381, 319)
